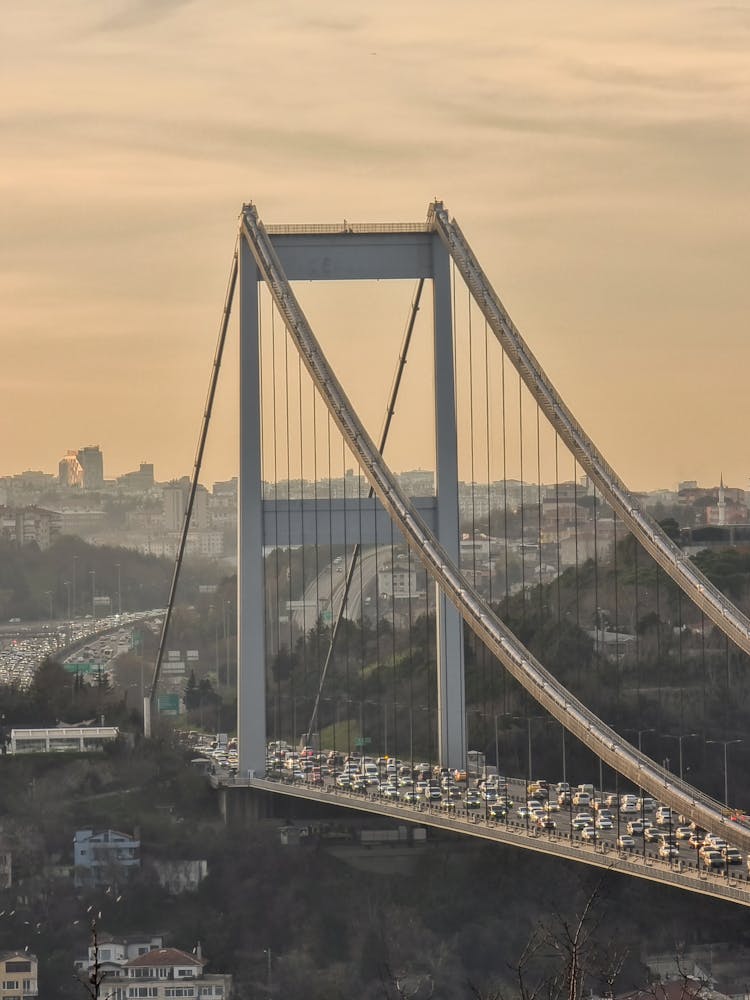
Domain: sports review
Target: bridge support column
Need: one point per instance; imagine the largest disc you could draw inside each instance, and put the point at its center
(450, 645)
(251, 639)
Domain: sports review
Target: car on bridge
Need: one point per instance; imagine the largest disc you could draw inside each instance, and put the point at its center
(731, 855)
(473, 799)
(712, 860)
(588, 833)
(625, 842)
(668, 851)
(635, 828)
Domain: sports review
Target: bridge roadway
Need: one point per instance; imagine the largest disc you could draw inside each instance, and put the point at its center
(719, 885)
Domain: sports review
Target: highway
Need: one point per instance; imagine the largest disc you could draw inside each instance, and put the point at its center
(326, 591)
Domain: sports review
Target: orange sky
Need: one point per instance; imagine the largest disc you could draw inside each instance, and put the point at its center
(596, 155)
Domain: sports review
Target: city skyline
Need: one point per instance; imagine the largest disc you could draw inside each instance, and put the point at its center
(528, 480)
(609, 162)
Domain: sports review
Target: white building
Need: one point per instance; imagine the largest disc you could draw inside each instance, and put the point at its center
(73, 739)
(162, 974)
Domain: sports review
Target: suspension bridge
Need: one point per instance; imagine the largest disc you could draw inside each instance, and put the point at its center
(405, 617)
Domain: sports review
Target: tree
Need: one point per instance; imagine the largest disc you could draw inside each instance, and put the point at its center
(192, 698)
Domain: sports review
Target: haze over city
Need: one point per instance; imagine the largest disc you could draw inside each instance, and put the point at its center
(594, 155)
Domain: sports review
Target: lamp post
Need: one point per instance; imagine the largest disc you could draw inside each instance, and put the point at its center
(725, 744)
(684, 736)
(48, 595)
(640, 733)
(75, 569)
(66, 584)
(119, 590)
(529, 719)
(92, 574)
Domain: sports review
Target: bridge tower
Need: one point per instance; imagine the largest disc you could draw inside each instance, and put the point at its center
(340, 253)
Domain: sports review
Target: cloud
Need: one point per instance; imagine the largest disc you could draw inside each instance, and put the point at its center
(133, 14)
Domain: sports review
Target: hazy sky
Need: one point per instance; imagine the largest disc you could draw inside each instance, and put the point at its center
(597, 155)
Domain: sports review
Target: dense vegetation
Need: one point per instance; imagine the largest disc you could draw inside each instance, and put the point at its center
(34, 582)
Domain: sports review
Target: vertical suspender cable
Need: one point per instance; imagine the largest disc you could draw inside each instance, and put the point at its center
(636, 630)
(389, 413)
(303, 578)
(277, 567)
(289, 565)
(202, 436)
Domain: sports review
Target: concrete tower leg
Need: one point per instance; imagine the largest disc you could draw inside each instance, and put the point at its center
(450, 646)
(251, 655)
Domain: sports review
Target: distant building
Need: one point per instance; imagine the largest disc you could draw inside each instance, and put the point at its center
(417, 482)
(140, 481)
(92, 463)
(70, 471)
(18, 975)
(228, 488)
(103, 857)
(24, 525)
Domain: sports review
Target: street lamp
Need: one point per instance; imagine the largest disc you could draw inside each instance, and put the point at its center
(92, 574)
(725, 744)
(640, 733)
(529, 719)
(66, 584)
(684, 736)
(119, 590)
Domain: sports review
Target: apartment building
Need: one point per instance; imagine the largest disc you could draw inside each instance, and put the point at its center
(18, 976)
(156, 973)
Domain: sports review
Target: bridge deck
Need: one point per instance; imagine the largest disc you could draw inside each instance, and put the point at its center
(717, 885)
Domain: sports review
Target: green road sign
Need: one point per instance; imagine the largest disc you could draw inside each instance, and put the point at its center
(168, 704)
(362, 741)
(80, 667)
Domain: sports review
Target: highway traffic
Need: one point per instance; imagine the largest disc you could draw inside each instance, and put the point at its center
(619, 823)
